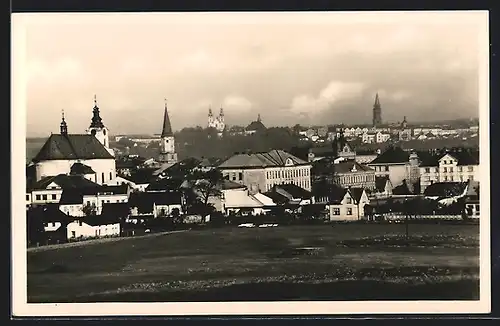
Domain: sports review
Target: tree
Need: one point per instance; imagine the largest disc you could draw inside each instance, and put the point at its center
(89, 209)
(176, 216)
(206, 184)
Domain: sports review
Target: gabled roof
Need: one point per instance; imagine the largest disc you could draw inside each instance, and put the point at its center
(72, 147)
(336, 195)
(71, 197)
(255, 126)
(209, 162)
(96, 220)
(356, 193)
(464, 157)
(274, 158)
(349, 165)
(393, 155)
(380, 183)
(166, 184)
(141, 176)
(65, 182)
(80, 168)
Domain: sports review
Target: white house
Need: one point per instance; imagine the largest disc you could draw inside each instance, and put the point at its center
(343, 207)
(456, 166)
(74, 201)
(393, 163)
(93, 227)
(369, 138)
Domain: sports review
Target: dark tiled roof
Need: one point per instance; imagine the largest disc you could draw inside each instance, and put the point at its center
(293, 190)
(65, 182)
(392, 155)
(336, 195)
(95, 220)
(167, 127)
(466, 157)
(228, 184)
(256, 125)
(445, 189)
(72, 147)
(48, 213)
(402, 189)
(115, 209)
(144, 201)
(356, 193)
(277, 197)
(347, 166)
(166, 184)
(82, 169)
(380, 183)
(71, 197)
(209, 162)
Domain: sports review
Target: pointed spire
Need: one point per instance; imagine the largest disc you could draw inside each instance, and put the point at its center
(377, 101)
(167, 127)
(258, 118)
(210, 114)
(221, 113)
(64, 126)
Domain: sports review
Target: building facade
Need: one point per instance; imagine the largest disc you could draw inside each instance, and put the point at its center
(352, 174)
(261, 171)
(216, 122)
(450, 167)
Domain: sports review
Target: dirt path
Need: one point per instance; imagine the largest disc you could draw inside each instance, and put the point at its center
(98, 241)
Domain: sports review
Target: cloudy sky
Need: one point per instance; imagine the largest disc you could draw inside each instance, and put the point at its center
(308, 68)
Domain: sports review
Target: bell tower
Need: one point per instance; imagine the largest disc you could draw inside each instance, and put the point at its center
(167, 143)
(97, 128)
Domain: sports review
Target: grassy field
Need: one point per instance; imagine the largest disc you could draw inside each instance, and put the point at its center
(339, 262)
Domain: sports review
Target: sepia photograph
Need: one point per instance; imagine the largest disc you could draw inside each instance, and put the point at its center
(234, 163)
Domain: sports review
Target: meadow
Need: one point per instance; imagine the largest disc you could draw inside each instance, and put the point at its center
(324, 262)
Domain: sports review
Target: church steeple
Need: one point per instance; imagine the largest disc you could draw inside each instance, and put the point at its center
(64, 126)
(96, 117)
(377, 102)
(377, 112)
(221, 113)
(167, 127)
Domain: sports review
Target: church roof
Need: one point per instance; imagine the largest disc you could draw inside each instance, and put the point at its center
(82, 169)
(256, 125)
(72, 147)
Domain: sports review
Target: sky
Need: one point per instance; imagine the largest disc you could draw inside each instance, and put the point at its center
(307, 68)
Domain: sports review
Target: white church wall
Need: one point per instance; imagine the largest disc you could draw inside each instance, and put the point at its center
(105, 169)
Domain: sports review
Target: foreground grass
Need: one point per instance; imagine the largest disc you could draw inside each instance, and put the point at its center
(343, 262)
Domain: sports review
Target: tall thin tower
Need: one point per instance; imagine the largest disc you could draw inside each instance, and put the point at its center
(167, 144)
(377, 112)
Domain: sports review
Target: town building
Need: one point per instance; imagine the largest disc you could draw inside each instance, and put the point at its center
(395, 163)
(454, 166)
(168, 154)
(93, 227)
(261, 171)
(255, 126)
(350, 173)
(61, 151)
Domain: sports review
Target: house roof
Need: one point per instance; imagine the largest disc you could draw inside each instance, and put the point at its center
(141, 176)
(209, 162)
(75, 195)
(72, 147)
(95, 220)
(115, 209)
(65, 182)
(274, 158)
(292, 190)
(380, 183)
(228, 184)
(48, 213)
(392, 155)
(336, 195)
(445, 189)
(277, 197)
(356, 193)
(144, 201)
(465, 157)
(166, 184)
(255, 125)
(349, 165)
(402, 189)
(80, 168)
(71, 197)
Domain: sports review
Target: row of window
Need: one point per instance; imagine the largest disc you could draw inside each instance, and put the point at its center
(381, 168)
(450, 169)
(43, 197)
(351, 179)
(304, 184)
(296, 173)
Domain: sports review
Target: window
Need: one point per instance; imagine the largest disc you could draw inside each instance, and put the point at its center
(349, 211)
(462, 178)
(445, 169)
(241, 175)
(387, 168)
(445, 178)
(27, 197)
(471, 177)
(427, 170)
(110, 175)
(336, 211)
(73, 234)
(80, 223)
(451, 169)
(44, 197)
(470, 168)
(477, 208)
(349, 200)
(102, 176)
(459, 169)
(451, 178)
(54, 196)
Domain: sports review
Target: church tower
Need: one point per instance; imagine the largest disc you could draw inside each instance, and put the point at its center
(98, 129)
(64, 126)
(211, 120)
(377, 112)
(167, 143)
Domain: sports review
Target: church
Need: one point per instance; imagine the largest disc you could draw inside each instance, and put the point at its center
(65, 153)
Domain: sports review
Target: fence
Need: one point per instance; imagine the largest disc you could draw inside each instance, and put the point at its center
(396, 216)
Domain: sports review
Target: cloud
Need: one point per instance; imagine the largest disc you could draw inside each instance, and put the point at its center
(334, 92)
(237, 103)
(58, 71)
